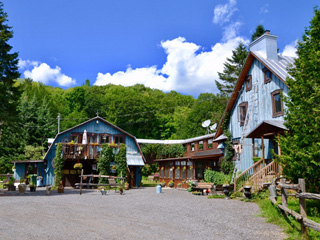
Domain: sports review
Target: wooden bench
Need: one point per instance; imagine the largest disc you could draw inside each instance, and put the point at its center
(204, 186)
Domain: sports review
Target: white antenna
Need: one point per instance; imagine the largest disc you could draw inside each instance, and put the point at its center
(213, 127)
(206, 125)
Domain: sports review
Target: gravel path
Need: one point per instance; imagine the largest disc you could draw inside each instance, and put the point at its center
(139, 214)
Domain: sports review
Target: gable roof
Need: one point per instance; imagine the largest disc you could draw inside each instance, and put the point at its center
(95, 119)
(278, 68)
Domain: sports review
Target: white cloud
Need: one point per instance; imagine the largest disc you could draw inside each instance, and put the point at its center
(231, 30)
(264, 8)
(184, 71)
(290, 49)
(223, 13)
(42, 72)
(23, 64)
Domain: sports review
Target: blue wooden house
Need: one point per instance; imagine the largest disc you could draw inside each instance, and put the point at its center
(97, 131)
(255, 107)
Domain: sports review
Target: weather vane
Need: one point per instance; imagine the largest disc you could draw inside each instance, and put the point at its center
(97, 113)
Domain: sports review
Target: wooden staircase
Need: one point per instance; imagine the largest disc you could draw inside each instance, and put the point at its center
(257, 174)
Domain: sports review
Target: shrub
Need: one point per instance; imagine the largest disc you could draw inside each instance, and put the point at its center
(216, 177)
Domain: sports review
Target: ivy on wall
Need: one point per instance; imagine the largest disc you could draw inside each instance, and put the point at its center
(58, 165)
(103, 165)
(226, 163)
(121, 161)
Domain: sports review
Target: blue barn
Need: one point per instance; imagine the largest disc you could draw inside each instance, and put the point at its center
(83, 143)
(256, 108)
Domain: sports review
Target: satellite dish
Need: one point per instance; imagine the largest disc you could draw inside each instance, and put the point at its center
(213, 127)
(206, 123)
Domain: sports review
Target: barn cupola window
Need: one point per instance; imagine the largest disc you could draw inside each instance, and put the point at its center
(248, 83)
(242, 112)
(277, 104)
(267, 75)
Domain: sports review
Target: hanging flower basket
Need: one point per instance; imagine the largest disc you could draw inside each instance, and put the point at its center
(190, 167)
(114, 167)
(184, 168)
(113, 145)
(78, 166)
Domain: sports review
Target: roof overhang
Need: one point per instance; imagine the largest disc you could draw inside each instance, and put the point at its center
(28, 161)
(172, 159)
(210, 153)
(267, 129)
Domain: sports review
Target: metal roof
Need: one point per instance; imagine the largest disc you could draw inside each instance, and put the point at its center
(181, 141)
(134, 160)
(280, 67)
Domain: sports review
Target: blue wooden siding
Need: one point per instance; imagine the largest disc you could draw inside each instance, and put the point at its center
(262, 110)
(91, 127)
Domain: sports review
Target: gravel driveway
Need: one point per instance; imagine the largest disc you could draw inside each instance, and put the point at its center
(139, 214)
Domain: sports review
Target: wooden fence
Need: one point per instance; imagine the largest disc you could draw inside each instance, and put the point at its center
(302, 195)
(81, 184)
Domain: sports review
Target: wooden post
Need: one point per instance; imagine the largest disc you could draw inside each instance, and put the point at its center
(81, 181)
(253, 148)
(284, 193)
(262, 146)
(303, 206)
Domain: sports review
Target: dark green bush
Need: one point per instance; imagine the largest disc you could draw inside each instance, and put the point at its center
(216, 177)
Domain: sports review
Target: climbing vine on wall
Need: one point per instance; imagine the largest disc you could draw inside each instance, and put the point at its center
(103, 165)
(121, 160)
(226, 162)
(58, 165)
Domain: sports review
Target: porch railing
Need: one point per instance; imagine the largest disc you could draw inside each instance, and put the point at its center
(264, 175)
(256, 175)
(81, 151)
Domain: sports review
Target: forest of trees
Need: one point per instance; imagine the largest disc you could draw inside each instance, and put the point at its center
(141, 111)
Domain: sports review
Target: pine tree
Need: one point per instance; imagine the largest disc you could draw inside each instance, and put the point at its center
(259, 32)
(300, 146)
(8, 73)
(232, 70)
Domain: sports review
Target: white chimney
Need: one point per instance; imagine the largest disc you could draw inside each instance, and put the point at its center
(266, 45)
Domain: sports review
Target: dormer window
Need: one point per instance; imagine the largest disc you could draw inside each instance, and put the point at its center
(267, 75)
(248, 83)
(277, 104)
(242, 112)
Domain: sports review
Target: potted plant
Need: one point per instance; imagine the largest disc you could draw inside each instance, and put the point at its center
(171, 183)
(121, 190)
(179, 185)
(32, 187)
(226, 189)
(163, 184)
(126, 186)
(191, 184)
(247, 189)
(11, 186)
(22, 186)
(78, 166)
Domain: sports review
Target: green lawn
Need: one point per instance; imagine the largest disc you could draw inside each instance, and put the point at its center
(148, 183)
(289, 224)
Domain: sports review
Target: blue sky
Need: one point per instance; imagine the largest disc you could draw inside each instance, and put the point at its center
(169, 44)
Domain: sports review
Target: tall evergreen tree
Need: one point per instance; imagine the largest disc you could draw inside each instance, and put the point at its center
(300, 146)
(259, 32)
(8, 73)
(232, 69)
